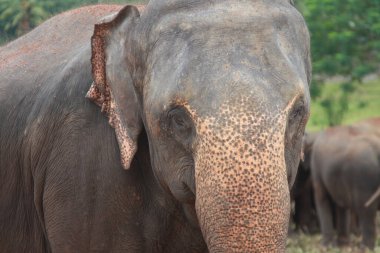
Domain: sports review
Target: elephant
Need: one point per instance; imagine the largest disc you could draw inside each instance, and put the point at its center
(302, 194)
(370, 125)
(345, 168)
(174, 127)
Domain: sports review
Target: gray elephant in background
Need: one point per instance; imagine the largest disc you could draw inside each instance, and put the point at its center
(345, 168)
(203, 103)
(371, 125)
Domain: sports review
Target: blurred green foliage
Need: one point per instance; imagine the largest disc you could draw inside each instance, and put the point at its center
(305, 243)
(345, 36)
(345, 41)
(20, 16)
(362, 103)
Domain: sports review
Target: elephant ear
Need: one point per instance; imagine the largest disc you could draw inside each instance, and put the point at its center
(112, 88)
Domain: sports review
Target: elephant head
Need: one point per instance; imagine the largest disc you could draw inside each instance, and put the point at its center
(221, 90)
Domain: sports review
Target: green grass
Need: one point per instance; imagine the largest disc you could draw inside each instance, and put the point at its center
(301, 243)
(364, 103)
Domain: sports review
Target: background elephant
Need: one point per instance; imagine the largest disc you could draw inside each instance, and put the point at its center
(371, 125)
(207, 103)
(346, 172)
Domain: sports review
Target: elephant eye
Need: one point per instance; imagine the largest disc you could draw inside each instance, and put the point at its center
(298, 112)
(180, 126)
(297, 119)
(177, 119)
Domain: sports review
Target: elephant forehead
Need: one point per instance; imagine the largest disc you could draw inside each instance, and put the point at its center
(207, 83)
(229, 19)
(231, 56)
(257, 17)
(173, 14)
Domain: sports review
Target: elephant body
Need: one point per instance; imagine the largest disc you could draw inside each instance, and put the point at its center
(177, 128)
(62, 186)
(346, 172)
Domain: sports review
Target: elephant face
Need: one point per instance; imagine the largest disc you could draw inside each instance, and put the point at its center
(221, 90)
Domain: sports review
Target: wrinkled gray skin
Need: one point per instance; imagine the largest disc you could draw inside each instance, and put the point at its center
(346, 172)
(218, 91)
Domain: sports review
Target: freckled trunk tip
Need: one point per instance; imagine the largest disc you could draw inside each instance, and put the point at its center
(246, 214)
(243, 200)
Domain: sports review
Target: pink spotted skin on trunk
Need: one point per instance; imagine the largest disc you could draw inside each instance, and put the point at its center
(240, 158)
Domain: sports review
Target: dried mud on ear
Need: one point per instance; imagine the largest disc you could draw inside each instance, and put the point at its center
(126, 145)
(100, 91)
(100, 94)
(94, 95)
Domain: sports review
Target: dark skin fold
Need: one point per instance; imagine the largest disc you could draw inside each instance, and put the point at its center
(203, 104)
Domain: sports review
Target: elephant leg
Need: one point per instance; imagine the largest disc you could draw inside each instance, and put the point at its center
(343, 226)
(302, 214)
(354, 224)
(306, 213)
(324, 211)
(367, 221)
(297, 213)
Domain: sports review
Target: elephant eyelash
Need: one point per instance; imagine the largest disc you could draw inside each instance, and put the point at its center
(174, 116)
(298, 111)
(178, 120)
(178, 124)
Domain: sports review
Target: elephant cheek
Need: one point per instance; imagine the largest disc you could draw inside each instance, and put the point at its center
(242, 200)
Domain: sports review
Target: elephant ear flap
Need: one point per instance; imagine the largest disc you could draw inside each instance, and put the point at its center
(112, 88)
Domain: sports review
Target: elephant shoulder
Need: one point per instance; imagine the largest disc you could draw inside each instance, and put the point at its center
(44, 77)
(42, 50)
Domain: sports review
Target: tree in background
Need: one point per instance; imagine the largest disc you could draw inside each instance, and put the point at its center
(345, 41)
(19, 16)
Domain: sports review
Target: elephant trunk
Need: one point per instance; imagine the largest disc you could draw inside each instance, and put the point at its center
(243, 201)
